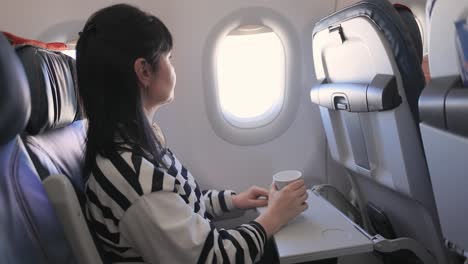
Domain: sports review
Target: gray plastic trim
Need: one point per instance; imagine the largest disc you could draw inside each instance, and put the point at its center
(379, 95)
(358, 144)
(446, 155)
(63, 197)
(456, 111)
(444, 104)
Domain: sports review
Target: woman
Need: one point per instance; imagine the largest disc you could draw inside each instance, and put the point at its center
(144, 206)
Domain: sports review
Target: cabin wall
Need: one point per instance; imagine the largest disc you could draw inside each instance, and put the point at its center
(214, 162)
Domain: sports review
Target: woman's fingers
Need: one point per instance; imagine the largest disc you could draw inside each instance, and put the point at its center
(303, 197)
(259, 203)
(258, 191)
(301, 191)
(273, 187)
(295, 185)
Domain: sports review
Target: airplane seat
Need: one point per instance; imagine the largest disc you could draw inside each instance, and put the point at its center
(55, 134)
(30, 231)
(441, 40)
(414, 29)
(443, 108)
(370, 79)
(55, 139)
(409, 20)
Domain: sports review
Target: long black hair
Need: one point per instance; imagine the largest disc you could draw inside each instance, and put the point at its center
(111, 40)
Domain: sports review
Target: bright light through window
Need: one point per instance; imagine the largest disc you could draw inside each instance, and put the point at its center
(71, 53)
(251, 75)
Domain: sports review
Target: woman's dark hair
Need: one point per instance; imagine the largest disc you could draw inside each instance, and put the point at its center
(112, 39)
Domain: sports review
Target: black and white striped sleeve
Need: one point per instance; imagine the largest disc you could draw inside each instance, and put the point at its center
(164, 229)
(218, 202)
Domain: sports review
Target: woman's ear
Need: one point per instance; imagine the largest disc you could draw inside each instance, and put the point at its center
(142, 71)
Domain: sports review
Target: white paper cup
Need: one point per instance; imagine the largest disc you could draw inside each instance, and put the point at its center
(283, 178)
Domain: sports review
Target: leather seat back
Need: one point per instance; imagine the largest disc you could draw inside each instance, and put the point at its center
(29, 229)
(55, 138)
(55, 135)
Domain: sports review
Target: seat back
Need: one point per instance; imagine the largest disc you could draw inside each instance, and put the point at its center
(30, 232)
(55, 140)
(55, 135)
(371, 79)
(441, 15)
(444, 128)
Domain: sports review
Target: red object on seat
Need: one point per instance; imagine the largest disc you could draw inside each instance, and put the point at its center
(19, 41)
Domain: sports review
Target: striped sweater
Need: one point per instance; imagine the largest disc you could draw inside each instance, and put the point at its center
(144, 213)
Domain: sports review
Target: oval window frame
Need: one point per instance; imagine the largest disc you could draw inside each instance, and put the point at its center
(272, 112)
(236, 134)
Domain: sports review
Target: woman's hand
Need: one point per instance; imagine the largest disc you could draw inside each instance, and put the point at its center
(251, 198)
(283, 206)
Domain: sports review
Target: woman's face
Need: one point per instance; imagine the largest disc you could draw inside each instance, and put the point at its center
(160, 89)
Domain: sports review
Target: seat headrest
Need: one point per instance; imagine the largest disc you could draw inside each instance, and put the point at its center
(411, 23)
(52, 80)
(387, 20)
(15, 104)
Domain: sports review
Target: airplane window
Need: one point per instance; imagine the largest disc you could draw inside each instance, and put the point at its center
(71, 53)
(251, 74)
